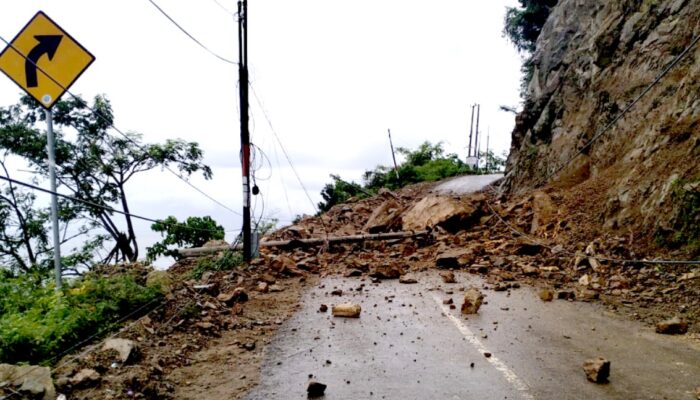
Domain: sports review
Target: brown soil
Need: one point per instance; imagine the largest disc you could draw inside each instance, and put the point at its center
(553, 238)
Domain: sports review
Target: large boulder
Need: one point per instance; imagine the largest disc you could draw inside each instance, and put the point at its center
(31, 380)
(447, 212)
(385, 217)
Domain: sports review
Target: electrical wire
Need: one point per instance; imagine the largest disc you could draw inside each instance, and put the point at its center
(190, 36)
(111, 124)
(537, 241)
(628, 108)
(99, 206)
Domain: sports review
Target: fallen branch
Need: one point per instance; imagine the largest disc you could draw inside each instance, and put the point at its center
(203, 251)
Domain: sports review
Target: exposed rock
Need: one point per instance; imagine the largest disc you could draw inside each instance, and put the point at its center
(353, 273)
(386, 272)
(263, 287)
(597, 370)
(546, 294)
(347, 310)
(588, 295)
(385, 217)
(472, 301)
(323, 308)
(448, 277)
(543, 211)
(315, 389)
(125, 348)
(337, 292)
(276, 288)
(585, 280)
(408, 279)
(31, 380)
(445, 212)
(160, 279)
(238, 295)
(566, 295)
(85, 377)
(455, 258)
(673, 326)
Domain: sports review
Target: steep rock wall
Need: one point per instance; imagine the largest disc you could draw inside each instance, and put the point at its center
(593, 58)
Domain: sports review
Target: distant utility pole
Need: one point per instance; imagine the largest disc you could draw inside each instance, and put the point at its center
(393, 156)
(245, 134)
(474, 132)
(488, 136)
(471, 133)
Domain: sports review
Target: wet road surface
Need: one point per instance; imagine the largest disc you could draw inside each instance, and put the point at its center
(408, 345)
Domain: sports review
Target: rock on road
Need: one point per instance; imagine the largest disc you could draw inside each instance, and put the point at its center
(408, 345)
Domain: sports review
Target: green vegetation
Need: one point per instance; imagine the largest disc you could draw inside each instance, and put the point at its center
(428, 163)
(92, 165)
(685, 224)
(225, 262)
(194, 232)
(522, 26)
(37, 324)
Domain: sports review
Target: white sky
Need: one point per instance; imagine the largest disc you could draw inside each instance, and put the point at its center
(332, 75)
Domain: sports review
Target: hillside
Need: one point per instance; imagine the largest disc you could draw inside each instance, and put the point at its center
(593, 59)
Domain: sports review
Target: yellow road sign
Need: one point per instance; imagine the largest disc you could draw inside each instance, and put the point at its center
(44, 60)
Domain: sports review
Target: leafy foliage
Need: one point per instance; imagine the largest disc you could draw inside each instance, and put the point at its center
(522, 26)
(92, 164)
(225, 262)
(338, 192)
(428, 163)
(194, 232)
(37, 324)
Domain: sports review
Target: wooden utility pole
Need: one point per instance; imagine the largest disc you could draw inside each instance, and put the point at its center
(245, 134)
(393, 156)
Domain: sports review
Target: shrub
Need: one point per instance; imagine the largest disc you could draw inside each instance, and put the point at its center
(37, 324)
(226, 262)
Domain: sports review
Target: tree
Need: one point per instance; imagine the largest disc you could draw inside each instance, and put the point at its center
(338, 192)
(194, 232)
(523, 24)
(492, 162)
(91, 164)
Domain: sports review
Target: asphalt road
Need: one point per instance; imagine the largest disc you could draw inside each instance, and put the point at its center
(408, 345)
(467, 183)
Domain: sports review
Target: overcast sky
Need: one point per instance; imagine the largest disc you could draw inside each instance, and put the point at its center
(332, 76)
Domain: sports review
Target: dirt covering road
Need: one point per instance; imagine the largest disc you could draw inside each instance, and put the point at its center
(208, 339)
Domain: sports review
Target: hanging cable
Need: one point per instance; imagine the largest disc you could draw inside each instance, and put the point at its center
(119, 131)
(190, 36)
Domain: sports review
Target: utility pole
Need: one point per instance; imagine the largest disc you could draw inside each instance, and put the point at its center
(471, 132)
(393, 156)
(488, 136)
(245, 135)
(54, 201)
(476, 134)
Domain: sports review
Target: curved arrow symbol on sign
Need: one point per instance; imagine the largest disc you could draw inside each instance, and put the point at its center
(48, 44)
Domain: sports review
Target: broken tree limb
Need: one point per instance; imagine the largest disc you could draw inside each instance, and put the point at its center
(203, 251)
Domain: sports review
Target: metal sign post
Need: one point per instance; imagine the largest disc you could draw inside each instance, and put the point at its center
(44, 60)
(51, 148)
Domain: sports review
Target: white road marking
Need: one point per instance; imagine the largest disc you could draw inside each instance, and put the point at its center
(510, 376)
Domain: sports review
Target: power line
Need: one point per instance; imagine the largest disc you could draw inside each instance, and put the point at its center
(95, 205)
(111, 124)
(284, 151)
(570, 253)
(628, 108)
(190, 36)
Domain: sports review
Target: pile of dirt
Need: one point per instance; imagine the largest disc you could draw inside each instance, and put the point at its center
(209, 335)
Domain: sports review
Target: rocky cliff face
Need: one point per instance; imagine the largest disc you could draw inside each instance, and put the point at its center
(593, 58)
